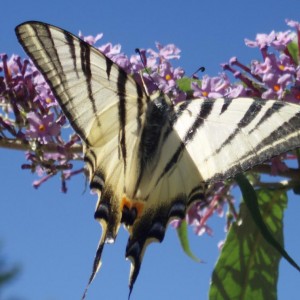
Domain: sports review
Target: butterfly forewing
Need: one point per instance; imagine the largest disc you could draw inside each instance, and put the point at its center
(90, 88)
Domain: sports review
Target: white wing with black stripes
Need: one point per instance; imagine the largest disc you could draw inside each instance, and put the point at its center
(238, 133)
(149, 160)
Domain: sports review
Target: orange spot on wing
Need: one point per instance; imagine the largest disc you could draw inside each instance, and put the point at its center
(125, 202)
(138, 205)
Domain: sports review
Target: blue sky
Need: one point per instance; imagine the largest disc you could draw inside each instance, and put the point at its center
(53, 236)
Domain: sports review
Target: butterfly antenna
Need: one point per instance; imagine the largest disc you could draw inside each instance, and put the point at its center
(144, 84)
(159, 92)
(200, 69)
(138, 51)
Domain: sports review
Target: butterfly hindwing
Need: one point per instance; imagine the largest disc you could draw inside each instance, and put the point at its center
(236, 134)
(205, 141)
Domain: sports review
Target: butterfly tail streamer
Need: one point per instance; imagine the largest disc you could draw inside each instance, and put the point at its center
(97, 261)
(134, 271)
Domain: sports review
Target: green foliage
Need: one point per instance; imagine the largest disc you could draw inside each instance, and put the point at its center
(294, 51)
(7, 274)
(182, 232)
(248, 264)
(251, 201)
(184, 84)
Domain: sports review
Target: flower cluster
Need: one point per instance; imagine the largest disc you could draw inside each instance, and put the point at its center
(30, 118)
(276, 76)
(155, 66)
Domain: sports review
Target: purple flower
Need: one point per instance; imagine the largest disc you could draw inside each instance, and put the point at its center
(236, 91)
(282, 40)
(278, 41)
(195, 218)
(14, 65)
(167, 76)
(262, 40)
(178, 95)
(277, 166)
(293, 24)
(276, 85)
(37, 183)
(114, 53)
(136, 64)
(109, 50)
(90, 39)
(274, 65)
(211, 87)
(167, 52)
(42, 127)
(294, 94)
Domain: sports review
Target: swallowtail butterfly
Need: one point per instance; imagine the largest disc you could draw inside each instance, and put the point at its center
(148, 159)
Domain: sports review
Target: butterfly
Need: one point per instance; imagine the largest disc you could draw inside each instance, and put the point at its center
(148, 159)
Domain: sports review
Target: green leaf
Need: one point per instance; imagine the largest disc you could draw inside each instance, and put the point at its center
(248, 265)
(182, 232)
(294, 51)
(251, 201)
(184, 84)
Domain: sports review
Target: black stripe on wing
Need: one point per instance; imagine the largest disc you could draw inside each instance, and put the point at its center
(274, 109)
(174, 116)
(121, 86)
(205, 110)
(196, 194)
(250, 158)
(97, 175)
(91, 158)
(140, 106)
(70, 41)
(42, 30)
(248, 117)
(85, 56)
(156, 119)
(44, 37)
(225, 105)
(280, 138)
(109, 64)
